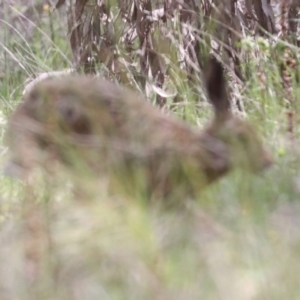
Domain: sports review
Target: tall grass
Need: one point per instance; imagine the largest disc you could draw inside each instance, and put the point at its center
(238, 240)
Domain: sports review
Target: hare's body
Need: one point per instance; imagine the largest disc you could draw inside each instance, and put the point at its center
(95, 127)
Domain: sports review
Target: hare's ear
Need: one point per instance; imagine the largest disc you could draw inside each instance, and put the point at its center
(216, 86)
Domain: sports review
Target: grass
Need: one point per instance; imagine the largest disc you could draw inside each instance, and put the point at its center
(238, 240)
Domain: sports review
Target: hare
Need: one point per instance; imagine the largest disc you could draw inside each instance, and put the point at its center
(97, 129)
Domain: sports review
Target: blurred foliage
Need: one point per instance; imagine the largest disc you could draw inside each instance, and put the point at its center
(239, 239)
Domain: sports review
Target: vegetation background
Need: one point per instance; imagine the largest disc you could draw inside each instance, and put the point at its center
(241, 238)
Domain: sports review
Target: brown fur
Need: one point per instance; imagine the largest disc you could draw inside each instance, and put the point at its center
(94, 127)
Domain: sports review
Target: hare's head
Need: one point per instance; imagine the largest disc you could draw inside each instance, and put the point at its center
(241, 144)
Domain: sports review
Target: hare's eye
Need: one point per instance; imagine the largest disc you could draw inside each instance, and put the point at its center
(69, 113)
(243, 138)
